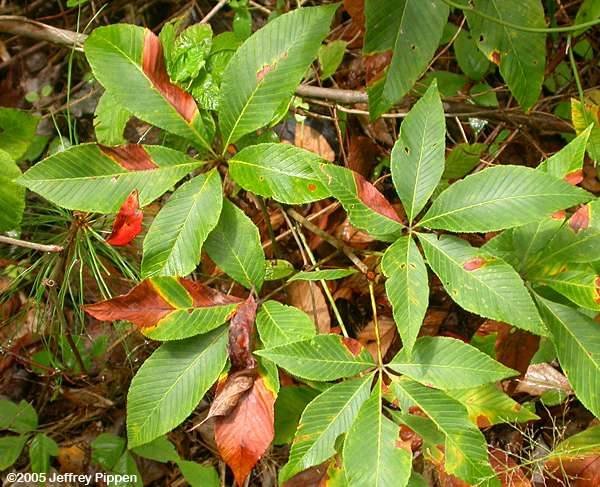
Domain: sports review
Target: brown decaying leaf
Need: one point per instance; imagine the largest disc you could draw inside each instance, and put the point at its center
(353, 236)
(300, 295)
(371, 197)
(580, 219)
(241, 334)
(153, 65)
(145, 307)
(306, 137)
(376, 65)
(229, 392)
(314, 476)
(362, 154)
(541, 378)
(244, 435)
(507, 469)
(128, 222)
(387, 331)
(576, 471)
(132, 157)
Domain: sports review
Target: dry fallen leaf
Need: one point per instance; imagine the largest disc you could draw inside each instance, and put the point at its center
(387, 331)
(541, 378)
(310, 139)
(301, 295)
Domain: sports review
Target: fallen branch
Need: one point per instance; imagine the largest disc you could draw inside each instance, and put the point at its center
(14, 24)
(30, 245)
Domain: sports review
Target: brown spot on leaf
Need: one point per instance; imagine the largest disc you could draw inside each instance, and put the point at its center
(312, 187)
(597, 290)
(128, 222)
(266, 69)
(559, 215)
(132, 157)
(371, 197)
(580, 219)
(474, 264)
(376, 65)
(143, 306)
(495, 57)
(352, 345)
(483, 421)
(153, 65)
(574, 177)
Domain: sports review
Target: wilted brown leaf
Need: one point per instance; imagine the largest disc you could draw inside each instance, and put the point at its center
(308, 138)
(301, 295)
(368, 338)
(241, 335)
(541, 378)
(244, 435)
(128, 222)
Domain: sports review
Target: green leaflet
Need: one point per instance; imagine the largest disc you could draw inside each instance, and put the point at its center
(321, 358)
(325, 418)
(383, 463)
(409, 31)
(41, 449)
(521, 55)
(448, 363)
(366, 207)
(469, 58)
(465, 446)
(279, 324)
(500, 197)
(20, 418)
(17, 132)
(234, 245)
(480, 282)
(81, 177)
(331, 56)
(110, 119)
(581, 444)
(569, 159)
(107, 449)
(128, 61)
(327, 274)
(173, 242)
(291, 401)
(578, 282)
(171, 382)
(407, 287)
(279, 171)
(577, 341)
(488, 405)
(10, 449)
(12, 195)
(418, 155)
(265, 70)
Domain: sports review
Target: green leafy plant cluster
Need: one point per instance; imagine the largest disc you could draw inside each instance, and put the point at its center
(207, 93)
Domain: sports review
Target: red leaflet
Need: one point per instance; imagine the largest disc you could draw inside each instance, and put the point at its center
(153, 64)
(143, 306)
(473, 264)
(244, 435)
(128, 223)
(574, 177)
(241, 331)
(371, 197)
(204, 296)
(132, 157)
(580, 219)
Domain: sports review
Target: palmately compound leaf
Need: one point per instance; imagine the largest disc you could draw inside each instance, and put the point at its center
(407, 287)
(279, 324)
(128, 61)
(279, 171)
(170, 384)
(418, 155)
(90, 177)
(465, 446)
(325, 418)
(448, 363)
(386, 461)
(168, 308)
(12, 195)
(501, 197)
(234, 245)
(324, 357)
(408, 32)
(521, 55)
(173, 243)
(577, 341)
(265, 70)
(480, 282)
(367, 208)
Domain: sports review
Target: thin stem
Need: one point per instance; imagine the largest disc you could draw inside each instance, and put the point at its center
(30, 245)
(213, 11)
(523, 28)
(577, 80)
(376, 323)
(336, 312)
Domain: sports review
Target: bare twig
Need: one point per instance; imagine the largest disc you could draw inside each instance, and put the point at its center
(213, 11)
(14, 24)
(30, 245)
